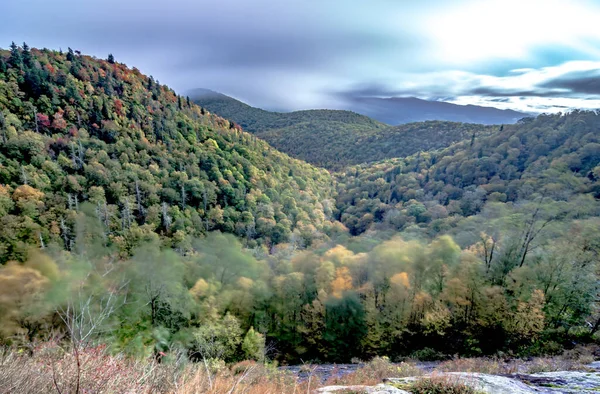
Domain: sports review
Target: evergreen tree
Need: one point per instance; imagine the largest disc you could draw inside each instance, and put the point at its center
(15, 60)
(111, 58)
(70, 55)
(27, 60)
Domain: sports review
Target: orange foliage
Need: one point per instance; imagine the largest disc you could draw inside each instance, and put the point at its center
(342, 282)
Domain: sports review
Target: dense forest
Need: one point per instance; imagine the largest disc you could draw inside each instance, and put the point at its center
(336, 139)
(132, 217)
(77, 132)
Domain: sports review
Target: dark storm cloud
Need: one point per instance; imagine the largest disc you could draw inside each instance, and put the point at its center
(501, 92)
(579, 82)
(227, 45)
(308, 51)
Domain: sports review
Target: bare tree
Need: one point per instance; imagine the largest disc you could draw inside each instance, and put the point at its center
(85, 314)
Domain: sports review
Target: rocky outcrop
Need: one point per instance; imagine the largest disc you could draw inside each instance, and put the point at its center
(565, 382)
(485, 383)
(379, 389)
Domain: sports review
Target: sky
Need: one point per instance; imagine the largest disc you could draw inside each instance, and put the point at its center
(528, 55)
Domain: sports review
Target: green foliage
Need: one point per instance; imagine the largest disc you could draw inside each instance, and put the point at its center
(336, 139)
(76, 129)
(128, 216)
(219, 340)
(536, 161)
(253, 346)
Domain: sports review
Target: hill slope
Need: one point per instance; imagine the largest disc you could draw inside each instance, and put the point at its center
(551, 157)
(256, 120)
(75, 129)
(335, 139)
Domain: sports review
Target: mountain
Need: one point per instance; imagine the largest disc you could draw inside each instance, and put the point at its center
(399, 110)
(256, 120)
(83, 136)
(332, 138)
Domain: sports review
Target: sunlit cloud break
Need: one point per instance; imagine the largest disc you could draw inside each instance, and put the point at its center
(573, 84)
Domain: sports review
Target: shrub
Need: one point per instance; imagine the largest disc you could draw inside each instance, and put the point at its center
(427, 354)
(440, 385)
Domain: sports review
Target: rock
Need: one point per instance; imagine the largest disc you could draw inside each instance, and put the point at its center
(485, 383)
(379, 389)
(564, 382)
(570, 381)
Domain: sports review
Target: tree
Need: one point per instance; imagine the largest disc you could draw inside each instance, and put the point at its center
(16, 59)
(253, 346)
(219, 340)
(344, 327)
(27, 58)
(111, 58)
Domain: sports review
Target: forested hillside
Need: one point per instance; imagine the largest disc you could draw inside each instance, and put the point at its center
(336, 145)
(77, 131)
(256, 120)
(336, 139)
(551, 157)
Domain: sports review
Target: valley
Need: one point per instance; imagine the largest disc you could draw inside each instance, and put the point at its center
(143, 230)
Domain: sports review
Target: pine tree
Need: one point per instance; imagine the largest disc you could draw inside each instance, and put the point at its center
(70, 55)
(111, 58)
(15, 60)
(27, 59)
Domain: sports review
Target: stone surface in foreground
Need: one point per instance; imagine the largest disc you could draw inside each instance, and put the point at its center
(566, 382)
(479, 381)
(379, 389)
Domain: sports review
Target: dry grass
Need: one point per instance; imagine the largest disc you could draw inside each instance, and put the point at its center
(571, 360)
(51, 369)
(374, 372)
(440, 385)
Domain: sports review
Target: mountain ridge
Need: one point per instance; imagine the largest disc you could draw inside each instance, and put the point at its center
(389, 110)
(336, 138)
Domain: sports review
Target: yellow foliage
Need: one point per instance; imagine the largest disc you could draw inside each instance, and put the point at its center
(456, 292)
(26, 192)
(43, 264)
(437, 319)
(529, 320)
(4, 190)
(200, 289)
(245, 283)
(338, 255)
(20, 288)
(342, 282)
(401, 279)
(421, 301)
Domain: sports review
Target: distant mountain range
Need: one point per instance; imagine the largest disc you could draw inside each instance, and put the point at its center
(337, 138)
(393, 111)
(399, 110)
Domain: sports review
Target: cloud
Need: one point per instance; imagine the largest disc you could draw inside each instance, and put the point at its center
(298, 54)
(579, 82)
(574, 84)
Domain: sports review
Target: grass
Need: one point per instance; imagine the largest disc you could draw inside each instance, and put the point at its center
(374, 372)
(52, 368)
(571, 360)
(440, 385)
